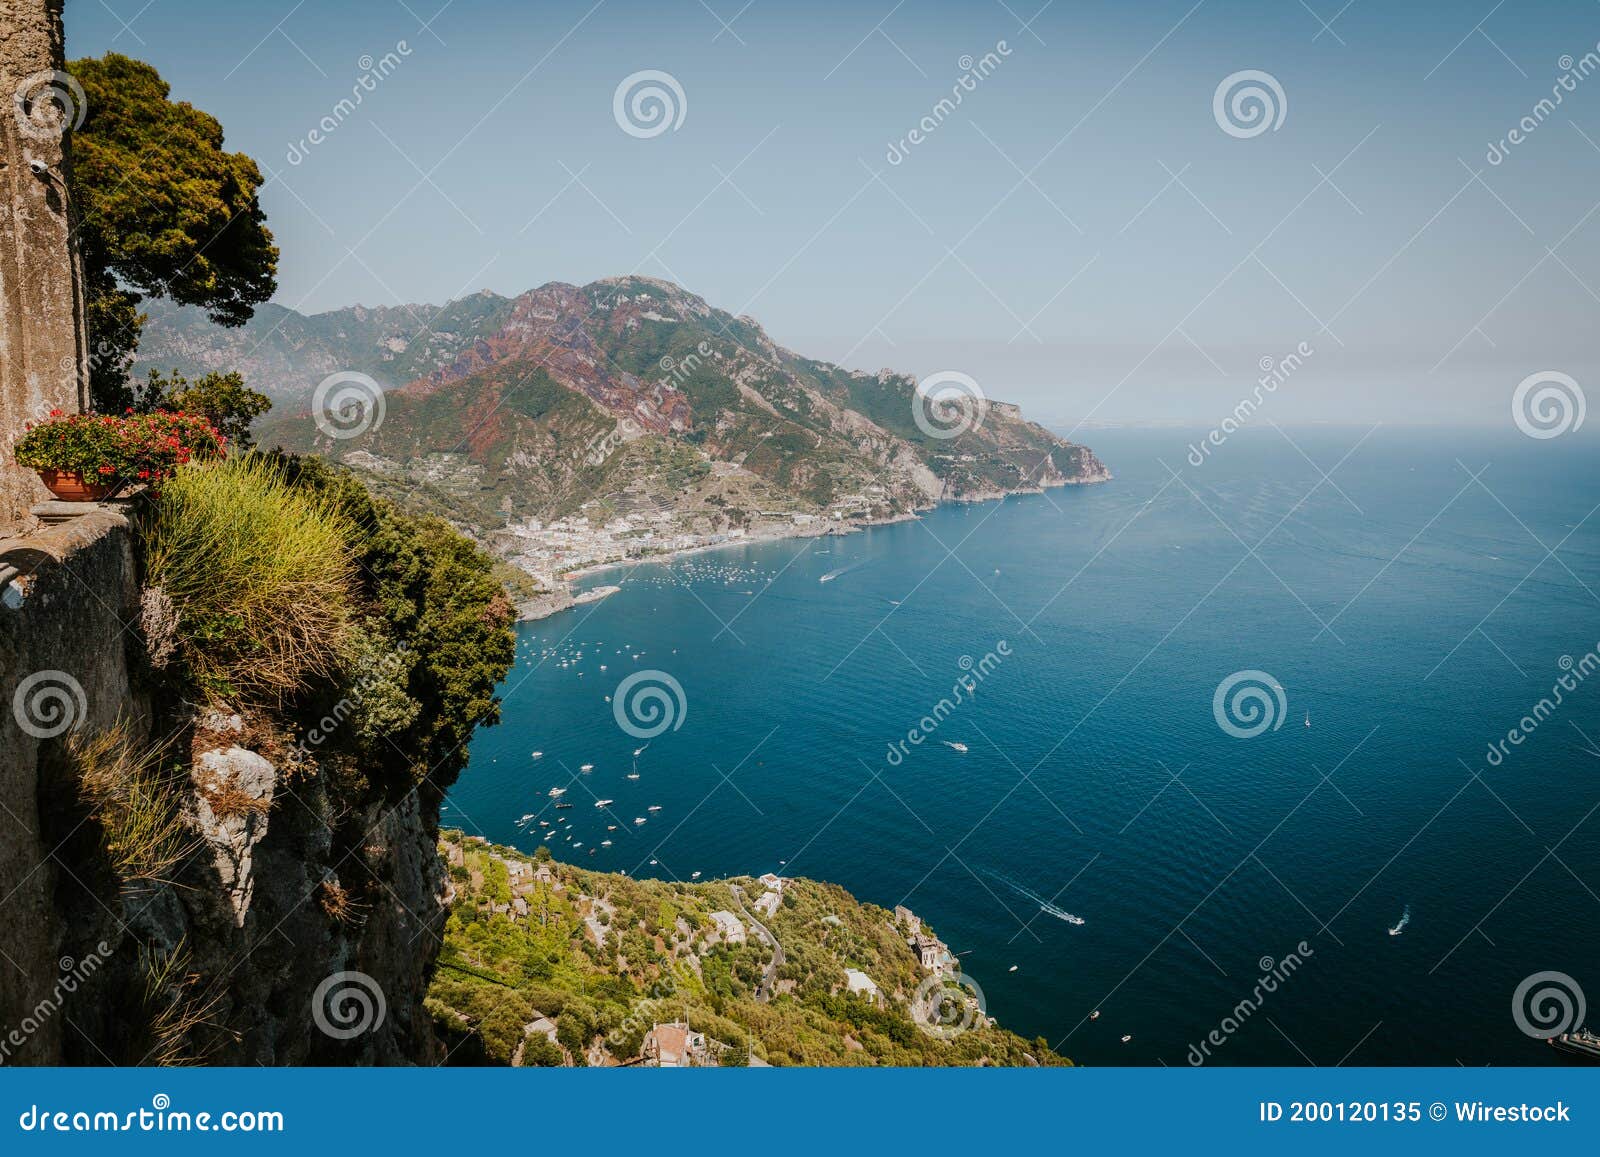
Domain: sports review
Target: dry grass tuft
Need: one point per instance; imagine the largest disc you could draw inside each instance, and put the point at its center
(338, 904)
(133, 795)
(177, 1007)
(229, 801)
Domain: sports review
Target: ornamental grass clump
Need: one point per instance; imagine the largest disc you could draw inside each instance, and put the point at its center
(261, 575)
(123, 450)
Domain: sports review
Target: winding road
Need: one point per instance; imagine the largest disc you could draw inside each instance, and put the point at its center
(768, 981)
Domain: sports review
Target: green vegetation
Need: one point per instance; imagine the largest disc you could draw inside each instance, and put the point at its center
(434, 634)
(131, 791)
(161, 210)
(661, 959)
(260, 575)
(222, 399)
(118, 450)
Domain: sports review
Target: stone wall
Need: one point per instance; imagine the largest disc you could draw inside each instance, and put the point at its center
(246, 910)
(66, 642)
(43, 344)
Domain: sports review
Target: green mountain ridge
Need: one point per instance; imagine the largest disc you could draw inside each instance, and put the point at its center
(625, 398)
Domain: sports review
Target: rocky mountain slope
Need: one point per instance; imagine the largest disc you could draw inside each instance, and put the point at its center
(546, 964)
(629, 396)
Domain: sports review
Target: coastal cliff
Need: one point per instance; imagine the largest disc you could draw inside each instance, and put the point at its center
(547, 964)
(576, 425)
(199, 872)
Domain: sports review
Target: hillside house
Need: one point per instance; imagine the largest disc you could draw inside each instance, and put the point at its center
(861, 984)
(675, 1046)
(932, 953)
(730, 926)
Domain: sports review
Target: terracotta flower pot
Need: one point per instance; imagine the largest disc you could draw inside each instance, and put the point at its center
(70, 486)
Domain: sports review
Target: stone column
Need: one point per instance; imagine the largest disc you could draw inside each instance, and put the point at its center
(43, 343)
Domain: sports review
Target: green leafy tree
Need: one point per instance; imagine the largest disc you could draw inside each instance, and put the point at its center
(162, 211)
(224, 399)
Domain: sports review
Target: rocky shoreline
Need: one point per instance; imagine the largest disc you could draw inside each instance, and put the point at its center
(564, 598)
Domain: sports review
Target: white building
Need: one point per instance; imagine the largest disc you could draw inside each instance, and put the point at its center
(730, 926)
(862, 984)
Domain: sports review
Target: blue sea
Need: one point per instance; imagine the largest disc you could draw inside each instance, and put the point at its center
(1378, 607)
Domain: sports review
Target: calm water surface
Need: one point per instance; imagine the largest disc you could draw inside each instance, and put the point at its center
(1411, 613)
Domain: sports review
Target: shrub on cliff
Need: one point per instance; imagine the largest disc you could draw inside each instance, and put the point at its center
(260, 573)
(434, 620)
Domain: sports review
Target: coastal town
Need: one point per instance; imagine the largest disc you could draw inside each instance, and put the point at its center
(569, 547)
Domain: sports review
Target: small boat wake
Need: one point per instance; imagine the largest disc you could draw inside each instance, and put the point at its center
(843, 570)
(1045, 906)
(1405, 918)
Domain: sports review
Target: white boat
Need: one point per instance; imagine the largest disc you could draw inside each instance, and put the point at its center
(1126, 1037)
(586, 767)
(605, 843)
(655, 807)
(954, 746)
(537, 755)
(637, 820)
(633, 775)
(557, 792)
(1095, 1015)
(1013, 968)
(694, 875)
(525, 818)
(604, 802)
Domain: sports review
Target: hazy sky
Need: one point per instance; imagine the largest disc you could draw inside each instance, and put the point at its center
(1080, 234)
